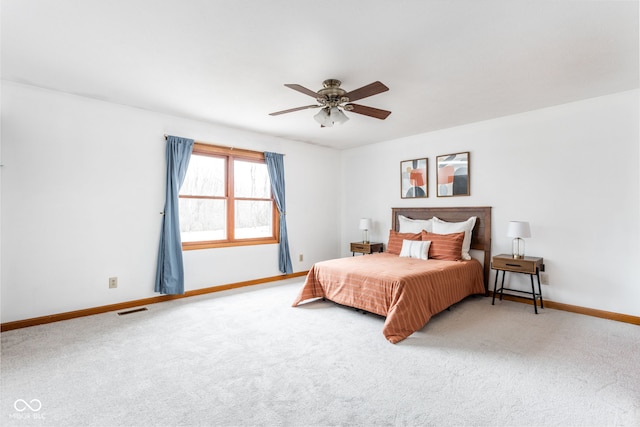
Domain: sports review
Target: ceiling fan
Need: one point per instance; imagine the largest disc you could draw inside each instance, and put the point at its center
(333, 101)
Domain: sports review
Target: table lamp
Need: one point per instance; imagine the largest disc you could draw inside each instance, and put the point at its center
(518, 230)
(365, 225)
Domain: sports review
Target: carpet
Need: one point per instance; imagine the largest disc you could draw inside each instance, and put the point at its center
(245, 357)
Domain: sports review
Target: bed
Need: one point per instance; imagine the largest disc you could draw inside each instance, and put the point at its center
(408, 290)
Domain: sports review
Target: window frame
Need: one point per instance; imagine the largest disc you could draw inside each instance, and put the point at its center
(231, 154)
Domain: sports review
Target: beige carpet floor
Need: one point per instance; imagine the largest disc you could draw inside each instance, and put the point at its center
(246, 357)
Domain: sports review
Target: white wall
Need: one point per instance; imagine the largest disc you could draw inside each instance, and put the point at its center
(570, 170)
(82, 188)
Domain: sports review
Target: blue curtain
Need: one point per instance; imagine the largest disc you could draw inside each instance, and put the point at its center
(170, 269)
(275, 166)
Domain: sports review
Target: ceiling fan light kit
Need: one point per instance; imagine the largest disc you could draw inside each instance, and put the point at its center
(327, 117)
(333, 101)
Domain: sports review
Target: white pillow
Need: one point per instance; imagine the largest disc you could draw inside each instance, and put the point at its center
(444, 227)
(408, 225)
(415, 249)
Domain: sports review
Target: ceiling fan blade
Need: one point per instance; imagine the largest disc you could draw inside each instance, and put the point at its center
(291, 110)
(302, 89)
(368, 111)
(365, 91)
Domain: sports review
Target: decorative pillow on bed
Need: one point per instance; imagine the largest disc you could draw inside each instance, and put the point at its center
(394, 246)
(415, 249)
(444, 227)
(446, 247)
(408, 225)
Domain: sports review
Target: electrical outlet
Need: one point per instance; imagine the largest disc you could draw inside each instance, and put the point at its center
(544, 278)
(113, 282)
(300, 257)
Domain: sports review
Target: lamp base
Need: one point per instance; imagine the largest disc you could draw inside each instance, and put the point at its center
(517, 249)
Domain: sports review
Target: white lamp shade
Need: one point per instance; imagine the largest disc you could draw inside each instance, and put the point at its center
(365, 224)
(518, 229)
(324, 118)
(337, 116)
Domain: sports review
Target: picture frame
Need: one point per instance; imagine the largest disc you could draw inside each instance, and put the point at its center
(414, 178)
(453, 177)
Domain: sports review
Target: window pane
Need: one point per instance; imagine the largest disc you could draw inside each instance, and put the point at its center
(205, 177)
(253, 219)
(202, 219)
(251, 179)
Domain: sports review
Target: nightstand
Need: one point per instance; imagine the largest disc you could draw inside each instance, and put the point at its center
(526, 265)
(365, 248)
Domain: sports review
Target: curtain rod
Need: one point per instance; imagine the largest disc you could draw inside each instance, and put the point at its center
(217, 145)
(200, 142)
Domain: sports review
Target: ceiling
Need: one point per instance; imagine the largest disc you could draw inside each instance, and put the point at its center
(446, 63)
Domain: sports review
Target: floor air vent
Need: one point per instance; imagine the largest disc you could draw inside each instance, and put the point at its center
(135, 310)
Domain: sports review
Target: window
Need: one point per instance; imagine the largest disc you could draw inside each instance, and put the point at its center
(226, 199)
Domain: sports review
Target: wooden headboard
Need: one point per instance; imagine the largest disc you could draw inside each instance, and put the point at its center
(480, 237)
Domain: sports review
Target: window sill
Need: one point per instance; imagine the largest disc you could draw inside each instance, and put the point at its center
(189, 246)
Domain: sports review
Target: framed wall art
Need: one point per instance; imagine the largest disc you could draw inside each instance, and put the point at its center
(413, 179)
(453, 175)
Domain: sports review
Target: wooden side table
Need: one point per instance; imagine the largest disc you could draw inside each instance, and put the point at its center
(527, 265)
(365, 248)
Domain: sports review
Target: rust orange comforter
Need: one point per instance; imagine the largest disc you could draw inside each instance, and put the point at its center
(407, 291)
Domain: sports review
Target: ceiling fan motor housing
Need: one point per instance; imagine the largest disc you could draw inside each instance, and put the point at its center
(332, 94)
